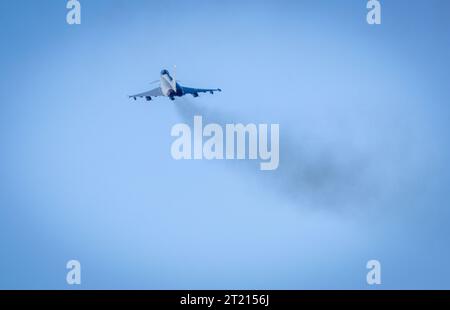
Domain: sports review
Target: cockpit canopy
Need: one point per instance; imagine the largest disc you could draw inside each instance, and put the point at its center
(163, 72)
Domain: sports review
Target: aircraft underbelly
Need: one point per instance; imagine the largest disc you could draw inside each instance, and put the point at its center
(165, 87)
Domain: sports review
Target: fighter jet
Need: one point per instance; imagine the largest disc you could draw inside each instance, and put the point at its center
(170, 88)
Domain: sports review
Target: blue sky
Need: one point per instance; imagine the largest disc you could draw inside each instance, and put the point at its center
(87, 174)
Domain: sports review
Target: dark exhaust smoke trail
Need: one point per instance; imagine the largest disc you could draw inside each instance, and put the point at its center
(308, 174)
